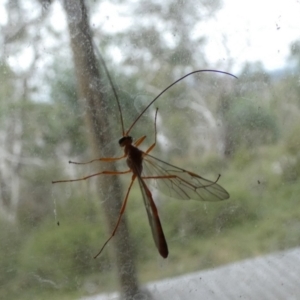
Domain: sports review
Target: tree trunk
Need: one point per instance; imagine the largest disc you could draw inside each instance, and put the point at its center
(89, 87)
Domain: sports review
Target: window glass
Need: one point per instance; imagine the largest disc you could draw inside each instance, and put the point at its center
(241, 134)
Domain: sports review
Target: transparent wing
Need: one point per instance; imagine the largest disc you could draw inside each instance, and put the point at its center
(179, 183)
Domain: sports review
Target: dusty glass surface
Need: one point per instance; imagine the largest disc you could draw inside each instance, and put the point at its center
(245, 129)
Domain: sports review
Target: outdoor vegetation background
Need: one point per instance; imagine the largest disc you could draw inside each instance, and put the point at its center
(245, 129)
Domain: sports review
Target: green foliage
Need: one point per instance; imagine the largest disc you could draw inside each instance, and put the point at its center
(11, 240)
(7, 78)
(291, 169)
(60, 253)
(250, 125)
(200, 235)
(62, 256)
(292, 140)
(295, 53)
(212, 163)
(64, 127)
(40, 260)
(290, 162)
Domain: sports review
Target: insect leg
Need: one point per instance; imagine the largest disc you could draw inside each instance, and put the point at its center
(96, 174)
(155, 133)
(139, 141)
(120, 216)
(106, 159)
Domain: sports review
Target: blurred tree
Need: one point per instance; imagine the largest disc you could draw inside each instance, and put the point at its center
(250, 126)
(16, 94)
(295, 54)
(41, 121)
(97, 121)
(156, 49)
(247, 119)
(167, 35)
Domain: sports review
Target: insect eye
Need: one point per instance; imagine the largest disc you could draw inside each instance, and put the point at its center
(125, 141)
(121, 141)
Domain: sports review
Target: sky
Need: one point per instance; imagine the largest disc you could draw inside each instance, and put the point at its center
(256, 30)
(245, 30)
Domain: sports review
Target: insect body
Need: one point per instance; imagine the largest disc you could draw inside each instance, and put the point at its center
(174, 181)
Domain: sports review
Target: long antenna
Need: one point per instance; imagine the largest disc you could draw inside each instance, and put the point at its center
(181, 78)
(163, 91)
(114, 90)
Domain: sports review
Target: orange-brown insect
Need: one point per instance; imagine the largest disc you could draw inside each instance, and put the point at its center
(174, 181)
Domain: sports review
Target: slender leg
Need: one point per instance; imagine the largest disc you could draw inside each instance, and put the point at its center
(106, 159)
(96, 174)
(120, 216)
(139, 141)
(155, 133)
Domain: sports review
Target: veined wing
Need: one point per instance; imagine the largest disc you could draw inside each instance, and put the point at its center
(179, 183)
(156, 228)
